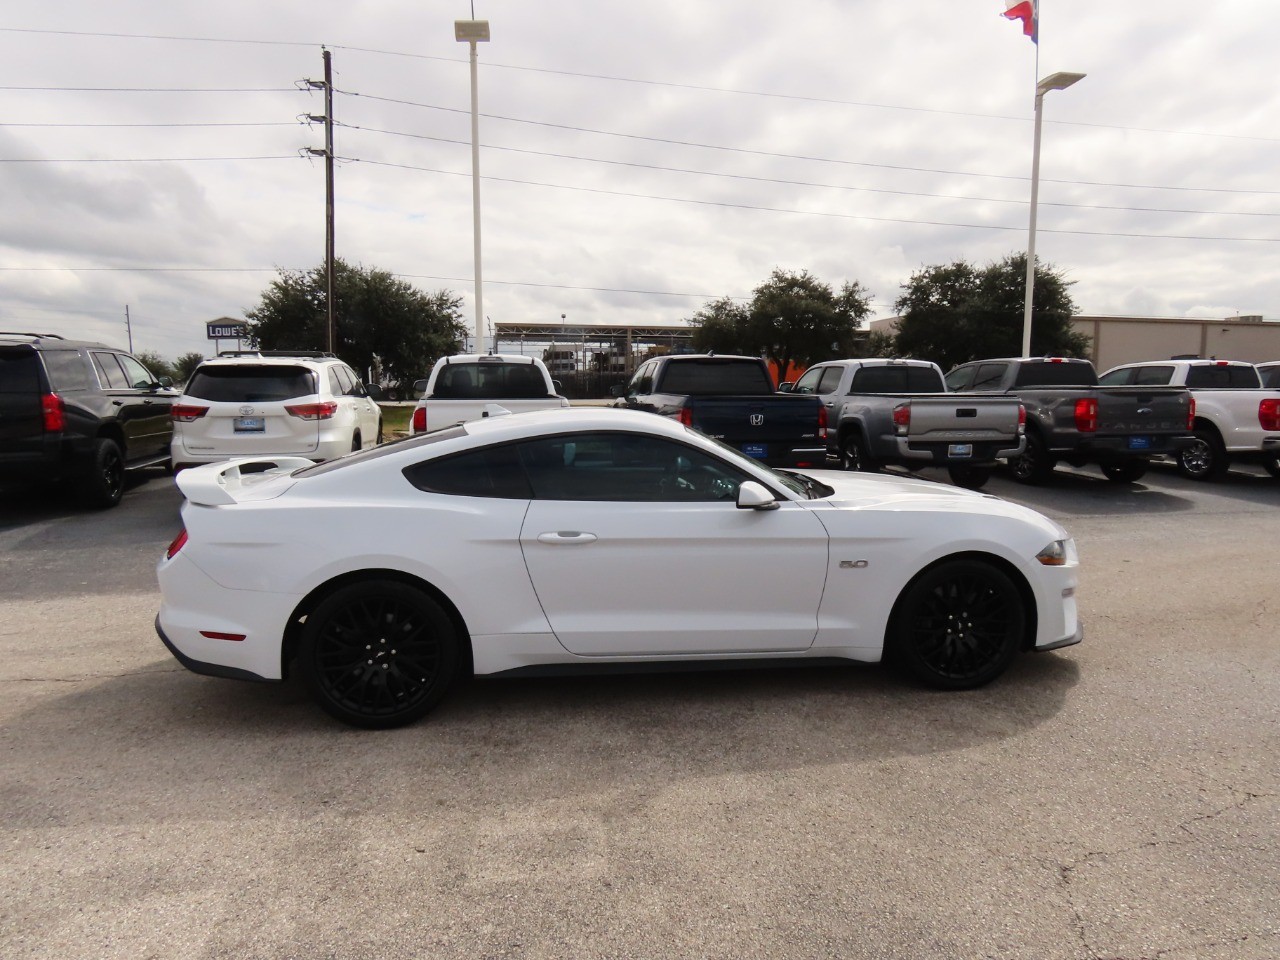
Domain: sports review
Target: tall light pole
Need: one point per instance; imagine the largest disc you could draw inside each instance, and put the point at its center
(1055, 81)
(473, 32)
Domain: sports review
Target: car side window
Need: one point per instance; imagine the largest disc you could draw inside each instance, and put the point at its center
(809, 382)
(961, 378)
(988, 376)
(625, 467)
(336, 386)
(1116, 378)
(1152, 376)
(488, 472)
(356, 388)
(109, 372)
(137, 376)
(830, 381)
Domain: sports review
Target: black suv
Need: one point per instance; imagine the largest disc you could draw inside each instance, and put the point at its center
(80, 412)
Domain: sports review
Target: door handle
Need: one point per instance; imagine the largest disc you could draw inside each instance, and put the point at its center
(566, 537)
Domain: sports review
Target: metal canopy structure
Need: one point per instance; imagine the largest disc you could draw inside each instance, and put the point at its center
(593, 333)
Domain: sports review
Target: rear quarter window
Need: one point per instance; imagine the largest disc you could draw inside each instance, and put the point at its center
(68, 371)
(250, 384)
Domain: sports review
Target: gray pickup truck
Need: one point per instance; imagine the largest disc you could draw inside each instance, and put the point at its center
(898, 412)
(1073, 420)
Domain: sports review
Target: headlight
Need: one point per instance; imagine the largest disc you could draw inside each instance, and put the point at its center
(1060, 553)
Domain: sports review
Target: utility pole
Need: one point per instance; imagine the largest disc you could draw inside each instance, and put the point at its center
(327, 153)
(128, 326)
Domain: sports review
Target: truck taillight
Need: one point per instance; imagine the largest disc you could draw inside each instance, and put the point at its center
(185, 413)
(1269, 414)
(1087, 415)
(419, 423)
(313, 411)
(178, 543)
(54, 412)
(1022, 419)
(1191, 414)
(902, 418)
(822, 423)
(685, 416)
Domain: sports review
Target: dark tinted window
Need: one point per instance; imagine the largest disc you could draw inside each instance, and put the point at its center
(896, 380)
(1116, 378)
(1044, 373)
(1153, 376)
(68, 371)
(808, 383)
(260, 382)
(1270, 377)
(714, 376)
(19, 370)
(1223, 378)
(487, 472)
(627, 467)
(988, 376)
(109, 371)
(961, 378)
(830, 381)
(491, 381)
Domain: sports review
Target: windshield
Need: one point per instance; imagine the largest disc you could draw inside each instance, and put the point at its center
(797, 483)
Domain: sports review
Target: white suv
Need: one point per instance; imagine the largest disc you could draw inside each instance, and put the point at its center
(272, 404)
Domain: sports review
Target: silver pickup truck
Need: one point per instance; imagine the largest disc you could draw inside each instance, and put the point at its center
(898, 412)
(472, 386)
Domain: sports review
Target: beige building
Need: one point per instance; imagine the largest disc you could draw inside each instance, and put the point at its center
(1116, 340)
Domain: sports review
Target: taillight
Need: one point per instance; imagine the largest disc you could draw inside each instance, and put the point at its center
(54, 412)
(902, 418)
(1269, 414)
(1191, 414)
(685, 416)
(313, 411)
(178, 543)
(185, 413)
(1022, 419)
(822, 423)
(419, 423)
(1087, 415)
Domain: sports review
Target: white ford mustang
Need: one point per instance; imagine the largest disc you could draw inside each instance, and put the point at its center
(592, 537)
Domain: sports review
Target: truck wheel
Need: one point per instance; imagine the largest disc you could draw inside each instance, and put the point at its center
(971, 478)
(1272, 466)
(854, 455)
(1125, 472)
(103, 485)
(1206, 459)
(1034, 465)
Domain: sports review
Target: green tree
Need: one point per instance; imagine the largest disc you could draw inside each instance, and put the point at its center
(157, 364)
(185, 365)
(379, 319)
(792, 318)
(956, 312)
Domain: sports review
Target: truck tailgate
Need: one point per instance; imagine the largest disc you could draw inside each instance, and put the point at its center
(961, 418)
(1141, 411)
(759, 426)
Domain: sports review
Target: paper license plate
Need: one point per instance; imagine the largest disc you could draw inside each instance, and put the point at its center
(1139, 443)
(757, 450)
(960, 451)
(249, 425)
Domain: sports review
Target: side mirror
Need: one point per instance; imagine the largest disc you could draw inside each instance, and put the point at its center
(166, 382)
(786, 386)
(617, 390)
(754, 496)
(373, 391)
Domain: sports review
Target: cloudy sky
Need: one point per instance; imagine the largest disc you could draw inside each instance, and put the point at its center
(637, 159)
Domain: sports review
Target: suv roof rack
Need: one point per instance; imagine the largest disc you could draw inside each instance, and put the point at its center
(34, 336)
(299, 354)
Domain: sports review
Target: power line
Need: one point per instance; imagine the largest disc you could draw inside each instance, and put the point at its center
(136, 159)
(152, 89)
(268, 123)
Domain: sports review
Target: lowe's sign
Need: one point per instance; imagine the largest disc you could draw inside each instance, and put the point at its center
(226, 330)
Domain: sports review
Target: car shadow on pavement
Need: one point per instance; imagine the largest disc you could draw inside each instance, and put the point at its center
(156, 744)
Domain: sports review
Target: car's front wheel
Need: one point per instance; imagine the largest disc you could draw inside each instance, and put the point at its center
(1272, 466)
(971, 478)
(378, 653)
(1205, 459)
(957, 625)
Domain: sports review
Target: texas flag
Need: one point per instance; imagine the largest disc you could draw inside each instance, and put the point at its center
(1025, 10)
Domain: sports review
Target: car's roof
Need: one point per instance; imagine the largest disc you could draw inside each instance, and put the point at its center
(488, 358)
(269, 361)
(50, 340)
(1190, 361)
(573, 418)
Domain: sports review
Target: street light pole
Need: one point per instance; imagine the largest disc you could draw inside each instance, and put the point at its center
(1056, 81)
(473, 32)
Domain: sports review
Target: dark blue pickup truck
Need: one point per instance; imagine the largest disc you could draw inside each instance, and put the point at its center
(733, 400)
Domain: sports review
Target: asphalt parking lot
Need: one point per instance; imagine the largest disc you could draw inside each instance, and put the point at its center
(1117, 799)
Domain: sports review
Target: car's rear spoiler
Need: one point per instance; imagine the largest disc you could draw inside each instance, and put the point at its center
(216, 484)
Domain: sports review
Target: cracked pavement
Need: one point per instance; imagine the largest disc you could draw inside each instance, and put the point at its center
(1117, 800)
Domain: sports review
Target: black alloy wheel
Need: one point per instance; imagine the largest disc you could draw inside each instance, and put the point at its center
(971, 478)
(853, 453)
(1033, 465)
(378, 653)
(103, 485)
(1129, 472)
(1205, 459)
(958, 625)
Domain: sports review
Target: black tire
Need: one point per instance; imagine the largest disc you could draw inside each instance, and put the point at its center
(1272, 466)
(1033, 465)
(1128, 472)
(381, 439)
(356, 442)
(958, 625)
(971, 478)
(393, 394)
(1206, 459)
(378, 654)
(853, 453)
(103, 485)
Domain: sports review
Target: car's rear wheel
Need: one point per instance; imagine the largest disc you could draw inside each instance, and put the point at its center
(1272, 466)
(103, 485)
(381, 439)
(958, 625)
(971, 478)
(1129, 472)
(1206, 459)
(378, 653)
(853, 453)
(1033, 465)
(356, 442)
